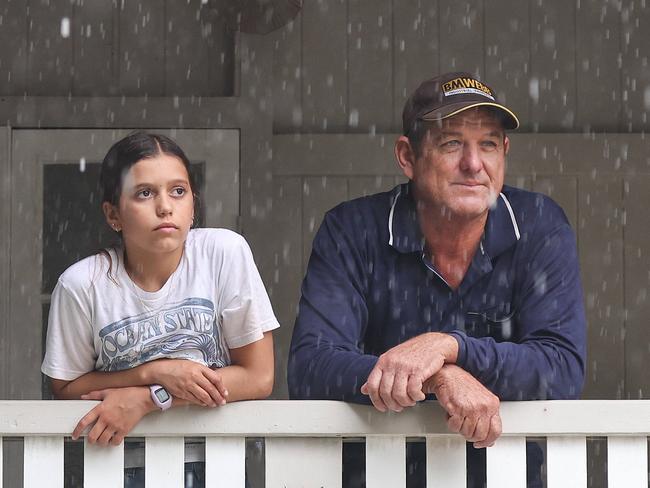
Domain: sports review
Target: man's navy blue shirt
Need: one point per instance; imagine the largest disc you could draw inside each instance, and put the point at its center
(518, 314)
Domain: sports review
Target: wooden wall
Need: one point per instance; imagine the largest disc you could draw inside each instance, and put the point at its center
(108, 47)
(348, 65)
(341, 72)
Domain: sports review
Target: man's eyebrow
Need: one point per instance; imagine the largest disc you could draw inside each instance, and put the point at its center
(448, 133)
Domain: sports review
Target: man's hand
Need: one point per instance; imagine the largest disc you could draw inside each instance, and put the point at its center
(190, 381)
(121, 409)
(396, 380)
(472, 409)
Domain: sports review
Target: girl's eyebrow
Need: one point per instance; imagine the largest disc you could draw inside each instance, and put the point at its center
(172, 182)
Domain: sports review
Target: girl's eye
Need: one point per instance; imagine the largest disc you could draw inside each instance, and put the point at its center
(179, 191)
(144, 194)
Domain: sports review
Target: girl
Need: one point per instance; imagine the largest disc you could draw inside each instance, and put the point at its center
(171, 317)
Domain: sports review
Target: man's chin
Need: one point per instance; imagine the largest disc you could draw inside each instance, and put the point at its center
(471, 208)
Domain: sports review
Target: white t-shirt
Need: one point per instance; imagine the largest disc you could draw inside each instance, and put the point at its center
(214, 301)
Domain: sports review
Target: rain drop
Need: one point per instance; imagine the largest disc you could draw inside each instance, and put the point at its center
(65, 27)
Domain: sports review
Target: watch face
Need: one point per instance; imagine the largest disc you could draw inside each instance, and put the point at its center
(162, 395)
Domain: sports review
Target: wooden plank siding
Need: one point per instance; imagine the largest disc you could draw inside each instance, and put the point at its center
(49, 53)
(142, 43)
(635, 49)
(287, 77)
(346, 65)
(5, 246)
(601, 183)
(107, 48)
(415, 50)
(637, 285)
(598, 44)
(370, 85)
(462, 36)
(324, 66)
(94, 48)
(562, 67)
(13, 54)
(507, 57)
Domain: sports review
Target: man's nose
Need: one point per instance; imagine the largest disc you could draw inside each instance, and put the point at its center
(471, 159)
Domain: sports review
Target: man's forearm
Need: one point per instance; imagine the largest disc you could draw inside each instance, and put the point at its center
(328, 374)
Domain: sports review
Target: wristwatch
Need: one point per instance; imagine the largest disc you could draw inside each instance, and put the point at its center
(160, 397)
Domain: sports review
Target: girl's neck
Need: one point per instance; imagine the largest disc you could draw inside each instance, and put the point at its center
(151, 271)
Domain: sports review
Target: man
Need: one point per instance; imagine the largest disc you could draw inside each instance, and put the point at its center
(450, 284)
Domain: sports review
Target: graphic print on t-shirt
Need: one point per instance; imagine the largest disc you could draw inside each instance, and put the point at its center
(188, 325)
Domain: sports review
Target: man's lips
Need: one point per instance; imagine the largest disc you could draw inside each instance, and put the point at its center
(470, 184)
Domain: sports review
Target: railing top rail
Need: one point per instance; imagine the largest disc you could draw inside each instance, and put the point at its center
(334, 419)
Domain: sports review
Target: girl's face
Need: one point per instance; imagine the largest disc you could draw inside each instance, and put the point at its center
(156, 207)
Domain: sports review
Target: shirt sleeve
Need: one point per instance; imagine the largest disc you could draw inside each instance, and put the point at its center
(546, 360)
(69, 346)
(246, 311)
(326, 360)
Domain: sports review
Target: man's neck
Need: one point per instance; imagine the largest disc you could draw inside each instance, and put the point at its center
(450, 242)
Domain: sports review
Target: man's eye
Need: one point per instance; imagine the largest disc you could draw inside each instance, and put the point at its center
(453, 144)
(489, 144)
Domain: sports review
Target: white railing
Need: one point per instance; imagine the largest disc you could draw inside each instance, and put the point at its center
(303, 442)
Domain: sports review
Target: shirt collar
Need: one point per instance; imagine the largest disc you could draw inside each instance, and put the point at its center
(403, 227)
(501, 229)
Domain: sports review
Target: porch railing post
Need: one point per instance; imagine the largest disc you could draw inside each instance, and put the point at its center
(566, 461)
(446, 462)
(43, 462)
(103, 466)
(627, 462)
(506, 463)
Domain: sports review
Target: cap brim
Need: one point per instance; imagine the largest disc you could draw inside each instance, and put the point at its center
(510, 120)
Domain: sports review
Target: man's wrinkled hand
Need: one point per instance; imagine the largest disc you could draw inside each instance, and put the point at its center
(397, 379)
(472, 409)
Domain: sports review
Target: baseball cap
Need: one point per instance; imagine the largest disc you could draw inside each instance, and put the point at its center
(449, 94)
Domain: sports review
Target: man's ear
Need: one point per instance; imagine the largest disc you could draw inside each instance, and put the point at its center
(112, 216)
(506, 144)
(405, 156)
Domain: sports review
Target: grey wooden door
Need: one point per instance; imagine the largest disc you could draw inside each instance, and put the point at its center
(54, 220)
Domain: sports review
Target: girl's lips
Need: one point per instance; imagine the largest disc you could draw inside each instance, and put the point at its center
(166, 227)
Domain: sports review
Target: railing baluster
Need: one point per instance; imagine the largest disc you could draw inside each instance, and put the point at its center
(385, 461)
(225, 459)
(446, 462)
(566, 460)
(297, 462)
(43, 463)
(1, 462)
(164, 459)
(103, 466)
(627, 462)
(506, 463)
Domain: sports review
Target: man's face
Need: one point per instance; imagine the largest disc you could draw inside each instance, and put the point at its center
(461, 166)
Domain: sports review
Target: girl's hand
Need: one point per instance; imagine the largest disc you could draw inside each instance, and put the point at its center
(190, 381)
(121, 409)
